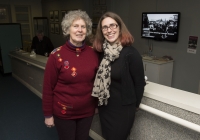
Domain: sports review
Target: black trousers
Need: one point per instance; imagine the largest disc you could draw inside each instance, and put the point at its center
(77, 129)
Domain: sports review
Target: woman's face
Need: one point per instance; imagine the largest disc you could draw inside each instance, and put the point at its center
(77, 32)
(110, 30)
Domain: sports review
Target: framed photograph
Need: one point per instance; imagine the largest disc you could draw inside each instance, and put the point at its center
(3, 13)
(52, 28)
(63, 12)
(57, 28)
(51, 16)
(56, 16)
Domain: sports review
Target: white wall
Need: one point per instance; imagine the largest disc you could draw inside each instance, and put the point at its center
(186, 73)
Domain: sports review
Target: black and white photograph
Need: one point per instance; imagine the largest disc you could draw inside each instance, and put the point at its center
(160, 26)
(56, 16)
(192, 44)
(5, 15)
(52, 28)
(3, 12)
(63, 12)
(51, 16)
(57, 28)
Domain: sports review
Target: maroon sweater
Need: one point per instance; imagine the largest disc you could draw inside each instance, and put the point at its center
(68, 82)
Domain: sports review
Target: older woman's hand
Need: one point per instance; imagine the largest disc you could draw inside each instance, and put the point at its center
(49, 122)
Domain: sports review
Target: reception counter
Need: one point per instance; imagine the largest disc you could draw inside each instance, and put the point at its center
(165, 113)
(28, 70)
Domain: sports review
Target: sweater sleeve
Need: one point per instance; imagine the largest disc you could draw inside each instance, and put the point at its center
(137, 74)
(49, 82)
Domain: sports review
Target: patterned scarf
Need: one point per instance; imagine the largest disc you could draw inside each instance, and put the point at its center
(102, 81)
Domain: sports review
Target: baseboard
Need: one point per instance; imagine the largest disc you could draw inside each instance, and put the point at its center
(95, 136)
(39, 94)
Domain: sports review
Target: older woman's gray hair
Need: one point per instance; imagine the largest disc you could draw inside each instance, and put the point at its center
(71, 16)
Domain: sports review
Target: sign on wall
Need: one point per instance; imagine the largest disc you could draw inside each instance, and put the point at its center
(192, 44)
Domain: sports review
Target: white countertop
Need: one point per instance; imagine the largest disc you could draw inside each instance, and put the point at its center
(25, 56)
(159, 62)
(175, 97)
(39, 58)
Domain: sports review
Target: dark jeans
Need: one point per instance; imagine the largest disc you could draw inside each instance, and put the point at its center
(77, 129)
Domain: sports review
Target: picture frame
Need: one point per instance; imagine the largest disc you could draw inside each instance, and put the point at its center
(3, 13)
(63, 12)
(51, 16)
(56, 16)
(52, 28)
(57, 28)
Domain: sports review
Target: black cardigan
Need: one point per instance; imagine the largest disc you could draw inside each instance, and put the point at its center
(132, 76)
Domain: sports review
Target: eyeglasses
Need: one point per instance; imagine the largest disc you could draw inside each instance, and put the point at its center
(111, 26)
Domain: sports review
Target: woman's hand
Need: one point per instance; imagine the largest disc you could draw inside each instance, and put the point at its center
(49, 122)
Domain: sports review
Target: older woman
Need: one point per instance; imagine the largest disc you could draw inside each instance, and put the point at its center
(119, 83)
(68, 80)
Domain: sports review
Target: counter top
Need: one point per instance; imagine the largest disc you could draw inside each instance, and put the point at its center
(156, 60)
(159, 62)
(39, 60)
(175, 97)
